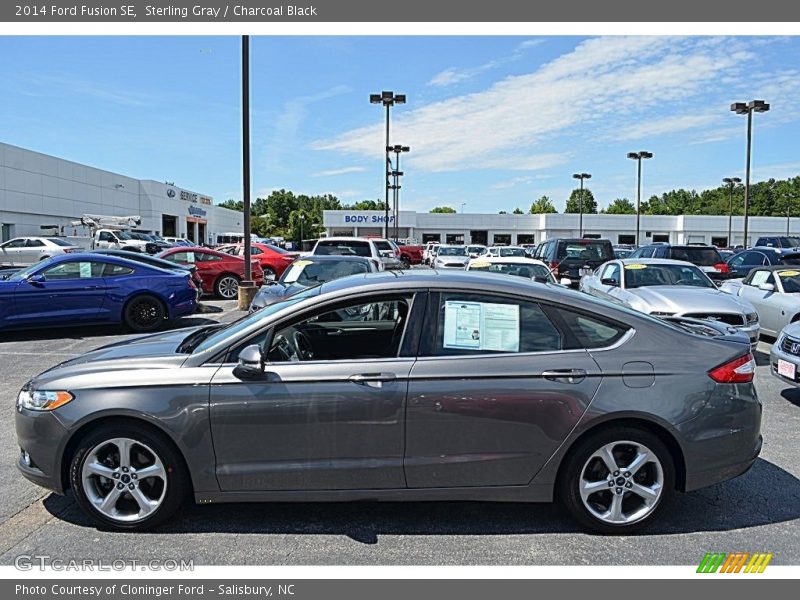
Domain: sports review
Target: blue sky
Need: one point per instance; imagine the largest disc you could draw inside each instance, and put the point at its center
(494, 122)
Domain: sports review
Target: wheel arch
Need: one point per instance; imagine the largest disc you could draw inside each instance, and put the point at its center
(636, 422)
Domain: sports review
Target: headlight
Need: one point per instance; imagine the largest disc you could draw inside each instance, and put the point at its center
(42, 400)
(752, 318)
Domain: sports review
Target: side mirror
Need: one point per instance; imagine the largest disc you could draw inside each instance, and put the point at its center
(251, 363)
(36, 280)
(767, 287)
(609, 281)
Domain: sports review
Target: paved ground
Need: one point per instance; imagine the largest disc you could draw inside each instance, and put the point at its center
(756, 512)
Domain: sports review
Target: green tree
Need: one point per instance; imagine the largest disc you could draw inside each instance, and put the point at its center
(367, 205)
(503, 212)
(620, 206)
(574, 202)
(443, 209)
(233, 204)
(542, 205)
(519, 211)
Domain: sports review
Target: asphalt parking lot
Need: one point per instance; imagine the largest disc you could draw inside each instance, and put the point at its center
(756, 512)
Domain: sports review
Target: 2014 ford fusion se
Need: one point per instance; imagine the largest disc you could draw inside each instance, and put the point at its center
(399, 386)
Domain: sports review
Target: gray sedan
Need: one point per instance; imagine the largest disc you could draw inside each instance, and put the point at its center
(773, 291)
(670, 288)
(417, 385)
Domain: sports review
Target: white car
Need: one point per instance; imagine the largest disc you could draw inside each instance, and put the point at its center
(507, 251)
(451, 257)
(351, 246)
(476, 250)
(528, 268)
(429, 253)
(30, 250)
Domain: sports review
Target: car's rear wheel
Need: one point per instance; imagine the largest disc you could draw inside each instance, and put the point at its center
(144, 314)
(227, 287)
(127, 477)
(617, 480)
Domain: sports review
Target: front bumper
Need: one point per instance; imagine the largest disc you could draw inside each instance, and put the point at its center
(777, 353)
(42, 436)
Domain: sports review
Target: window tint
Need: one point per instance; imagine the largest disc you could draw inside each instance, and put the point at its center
(473, 324)
(34, 243)
(344, 248)
(383, 245)
(589, 331)
(356, 331)
(74, 270)
(584, 250)
(204, 257)
(699, 255)
(116, 271)
(181, 258)
(18, 243)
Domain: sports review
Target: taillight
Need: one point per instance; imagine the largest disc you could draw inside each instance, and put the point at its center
(722, 267)
(738, 370)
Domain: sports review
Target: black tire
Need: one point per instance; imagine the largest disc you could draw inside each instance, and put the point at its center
(222, 286)
(177, 480)
(144, 313)
(571, 472)
(406, 262)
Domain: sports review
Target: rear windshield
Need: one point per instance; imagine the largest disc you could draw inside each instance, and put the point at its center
(343, 248)
(59, 242)
(383, 245)
(585, 250)
(453, 251)
(698, 255)
(520, 252)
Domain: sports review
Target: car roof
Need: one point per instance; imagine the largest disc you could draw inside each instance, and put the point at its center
(335, 258)
(777, 268)
(515, 260)
(654, 261)
(347, 239)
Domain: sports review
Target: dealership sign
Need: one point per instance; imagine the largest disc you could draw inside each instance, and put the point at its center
(196, 211)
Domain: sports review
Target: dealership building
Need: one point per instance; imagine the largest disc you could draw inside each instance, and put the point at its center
(474, 228)
(40, 192)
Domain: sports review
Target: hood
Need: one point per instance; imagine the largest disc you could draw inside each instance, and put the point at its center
(677, 299)
(792, 330)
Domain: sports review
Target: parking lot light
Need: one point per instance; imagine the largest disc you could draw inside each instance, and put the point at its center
(742, 108)
(581, 176)
(638, 157)
(387, 99)
(731, 182)
(396, 174)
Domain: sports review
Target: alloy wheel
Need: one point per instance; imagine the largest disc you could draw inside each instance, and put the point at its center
(124, 479)
(621, 482)
(228, 287)
(144, 313)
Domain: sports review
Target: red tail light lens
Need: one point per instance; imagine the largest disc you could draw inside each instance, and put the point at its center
(739, 370)
(722, 267)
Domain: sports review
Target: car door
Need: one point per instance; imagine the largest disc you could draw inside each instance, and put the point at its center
(496, 389)
(70, 291)
(34, 251)
(11, 252)
(318, 421)
(766, 302)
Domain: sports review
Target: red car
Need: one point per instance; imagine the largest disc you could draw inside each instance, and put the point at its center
(272, 259)
(220, 272)
(410, 255)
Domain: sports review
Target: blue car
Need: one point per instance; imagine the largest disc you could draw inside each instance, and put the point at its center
(82, 289)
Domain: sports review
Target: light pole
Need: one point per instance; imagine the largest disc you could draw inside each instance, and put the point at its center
(302, 220)
(731, 182)
(247, 285)
(388, 99)
(397, 173)
(581, 176)
(638, 157)
(742, 108)
(463, 204)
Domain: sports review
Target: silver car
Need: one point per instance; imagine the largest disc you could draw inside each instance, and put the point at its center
(670, 288)
(773, 291)
(451, 257)
(410, 385)
(784, 356)
(29, 250)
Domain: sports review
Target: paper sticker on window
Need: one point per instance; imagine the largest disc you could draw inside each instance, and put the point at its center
(85, 269)
(789, 273)
(635, 267)
(481, 326)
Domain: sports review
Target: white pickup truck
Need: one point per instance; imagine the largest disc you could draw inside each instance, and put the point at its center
(121, 240)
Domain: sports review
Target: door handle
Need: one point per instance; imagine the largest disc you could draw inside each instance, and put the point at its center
(91, 287)
(565, 375)
(365, 378)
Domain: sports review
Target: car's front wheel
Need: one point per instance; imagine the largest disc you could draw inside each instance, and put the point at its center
(617, 480)
(127, 477)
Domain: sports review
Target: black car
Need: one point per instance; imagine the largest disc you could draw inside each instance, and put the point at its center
(571, 258)
(154, 261)
(742, 263)
(308, 271)
(779, 241)
(707, 258)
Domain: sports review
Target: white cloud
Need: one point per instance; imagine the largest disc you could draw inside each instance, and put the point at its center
(604, 84)
(342, 171)
(667, 126)
(453, 75)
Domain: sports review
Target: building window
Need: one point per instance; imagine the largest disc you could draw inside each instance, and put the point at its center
(479, 236)
(431, 237)
(501, 238)
(660, 237)
(342, 232)
(626, 239)
(526, 238)
(591, 236)
(719, 241)
(455, 238)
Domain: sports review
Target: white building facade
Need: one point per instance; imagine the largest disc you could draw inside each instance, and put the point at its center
(474, 228)
(39, 192)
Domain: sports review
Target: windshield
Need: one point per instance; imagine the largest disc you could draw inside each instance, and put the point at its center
(124, 235)
(532, 271)
(698, 255)
(453, 251)
(512, 252)
(343, 248)
(473, 249)
(790, 279)
(644, 275)
(277, 249)
(585, 250)
(24, 273)
(308, 273)
(208, 338)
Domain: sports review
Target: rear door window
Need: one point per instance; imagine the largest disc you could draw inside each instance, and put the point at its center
(698, 255)
(586, 331)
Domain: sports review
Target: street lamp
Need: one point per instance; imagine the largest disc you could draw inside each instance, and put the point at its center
(638, 157)
(463, 204)
(388, 99)
(731, 182)
(302, 220)
(247, 286)
(581, 176)
(396, 173)
(742, 108)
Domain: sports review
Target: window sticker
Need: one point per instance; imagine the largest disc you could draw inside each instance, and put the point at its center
(481, 326)
(635, 267)
(789, 273)
(85, 270)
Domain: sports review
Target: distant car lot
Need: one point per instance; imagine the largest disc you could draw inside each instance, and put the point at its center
(762, 505)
